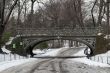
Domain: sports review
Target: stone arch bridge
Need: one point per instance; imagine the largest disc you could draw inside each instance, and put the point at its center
(33, 37)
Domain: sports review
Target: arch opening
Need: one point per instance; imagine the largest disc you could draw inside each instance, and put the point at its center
(31, 46)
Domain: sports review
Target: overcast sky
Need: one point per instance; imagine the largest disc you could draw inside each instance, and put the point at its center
(36, 4)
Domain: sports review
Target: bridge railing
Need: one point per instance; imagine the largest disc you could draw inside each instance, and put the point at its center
(58, 32)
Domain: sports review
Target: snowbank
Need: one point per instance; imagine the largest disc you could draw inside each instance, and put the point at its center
(8, 64)
(92, 62)
(9, 57)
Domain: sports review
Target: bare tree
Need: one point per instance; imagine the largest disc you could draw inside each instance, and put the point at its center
(20, 9)
(4, 21)
(103, 13)
(64, 13)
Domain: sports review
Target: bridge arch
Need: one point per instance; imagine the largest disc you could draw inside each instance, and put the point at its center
(31, 45)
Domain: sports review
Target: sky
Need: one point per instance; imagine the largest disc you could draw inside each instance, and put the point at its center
(36, 4)
(88, 0)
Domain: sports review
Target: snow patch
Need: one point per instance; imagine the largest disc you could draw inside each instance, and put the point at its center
(10, 40)
(7, 43)
(5, 50)
(107, 36)
(99, 34)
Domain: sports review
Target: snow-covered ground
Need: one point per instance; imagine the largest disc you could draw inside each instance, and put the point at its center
(8, 64)
(90, 62)
(100, 60)
(53, 52)
(49, 52)
(10, 57)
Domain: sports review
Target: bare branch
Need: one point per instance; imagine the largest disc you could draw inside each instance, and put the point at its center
(100, 12)
(92, 12)
(11, 9)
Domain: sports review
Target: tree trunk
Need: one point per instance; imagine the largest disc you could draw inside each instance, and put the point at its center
(32, 8)
(1, 22)
(32, 11)
(100, 13)
(108, 9)
(1, 32)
